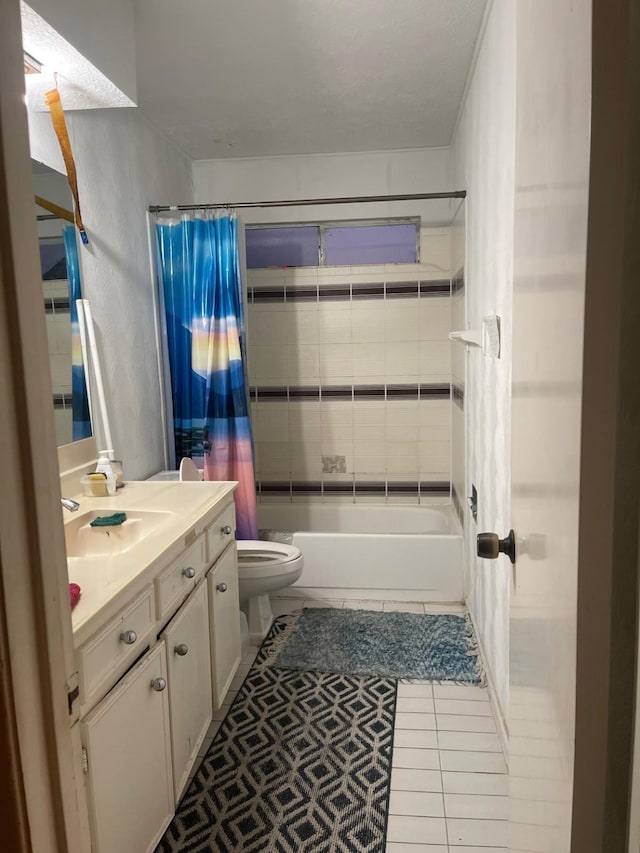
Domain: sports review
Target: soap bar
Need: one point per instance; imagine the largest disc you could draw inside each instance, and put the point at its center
(94, 485)
(74, 594)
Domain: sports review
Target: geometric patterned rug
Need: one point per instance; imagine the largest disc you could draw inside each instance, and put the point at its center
(434, 647)
(301, 764)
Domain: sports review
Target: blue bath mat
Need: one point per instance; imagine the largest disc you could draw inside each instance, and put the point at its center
(437, 647)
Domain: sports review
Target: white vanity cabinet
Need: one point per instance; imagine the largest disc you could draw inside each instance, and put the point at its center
(159, 653)
(128, 760)
(224, 611)
(186, 639)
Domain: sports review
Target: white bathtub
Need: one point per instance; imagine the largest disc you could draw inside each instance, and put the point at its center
(359, 551)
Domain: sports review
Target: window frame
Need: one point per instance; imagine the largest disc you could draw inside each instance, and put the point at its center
(323, 225)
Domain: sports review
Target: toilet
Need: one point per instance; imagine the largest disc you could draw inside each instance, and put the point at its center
(263, 567)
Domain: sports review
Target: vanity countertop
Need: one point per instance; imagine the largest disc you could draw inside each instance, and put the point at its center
(109, 582)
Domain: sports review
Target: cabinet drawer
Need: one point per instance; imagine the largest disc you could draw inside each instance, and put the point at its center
(220, 533)
(176, 582)
(104, 658)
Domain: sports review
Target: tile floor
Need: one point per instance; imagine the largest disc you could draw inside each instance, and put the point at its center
(448, 779)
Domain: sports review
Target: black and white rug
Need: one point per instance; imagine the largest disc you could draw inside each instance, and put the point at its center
(301, 764)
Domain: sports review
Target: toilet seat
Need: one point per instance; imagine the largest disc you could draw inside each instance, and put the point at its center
(257, 558)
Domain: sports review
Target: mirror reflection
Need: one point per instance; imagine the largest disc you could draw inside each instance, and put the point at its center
(60, 287)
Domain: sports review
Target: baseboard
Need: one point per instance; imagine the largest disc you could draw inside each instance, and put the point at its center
(347, 593)
(498, 714)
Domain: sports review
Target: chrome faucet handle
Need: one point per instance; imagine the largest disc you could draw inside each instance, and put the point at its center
(70, 504)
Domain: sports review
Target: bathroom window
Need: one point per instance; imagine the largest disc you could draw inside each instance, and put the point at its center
(334, 244)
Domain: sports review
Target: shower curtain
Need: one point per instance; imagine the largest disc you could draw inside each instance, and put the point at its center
(199, 270)
(81, 421)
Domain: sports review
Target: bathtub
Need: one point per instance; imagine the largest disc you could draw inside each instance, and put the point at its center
(360, 551)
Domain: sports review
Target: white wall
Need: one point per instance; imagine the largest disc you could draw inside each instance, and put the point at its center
(123, 166)
(483, 162)
(330, 176)
(102, 32)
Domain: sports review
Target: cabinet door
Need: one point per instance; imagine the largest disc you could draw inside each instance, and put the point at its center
(224, 610)
(129, 760)
(189, 667)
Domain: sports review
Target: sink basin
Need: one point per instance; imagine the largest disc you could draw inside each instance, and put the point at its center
(82, 540)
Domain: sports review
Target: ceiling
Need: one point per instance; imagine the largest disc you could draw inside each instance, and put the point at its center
(248, 78)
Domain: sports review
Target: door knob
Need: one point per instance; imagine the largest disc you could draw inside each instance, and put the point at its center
(221, 587)
(189, 572)
(158, 684)
(182, 649)
(490, 546)
(128, 637)
(226, 529)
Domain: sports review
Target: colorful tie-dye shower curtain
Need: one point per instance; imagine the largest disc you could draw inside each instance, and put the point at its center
(199, 268)
(81, 421)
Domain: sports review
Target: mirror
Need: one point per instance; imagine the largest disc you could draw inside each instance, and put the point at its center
(67, 379)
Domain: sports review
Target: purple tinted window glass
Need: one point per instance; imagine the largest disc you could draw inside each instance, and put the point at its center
(370, 244)
(282, 247)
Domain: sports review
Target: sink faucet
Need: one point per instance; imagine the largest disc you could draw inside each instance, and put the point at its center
(69, 504)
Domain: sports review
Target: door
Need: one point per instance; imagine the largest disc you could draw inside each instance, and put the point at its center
(189, 668)
(224, 609)
(129, 760)
(551, 198)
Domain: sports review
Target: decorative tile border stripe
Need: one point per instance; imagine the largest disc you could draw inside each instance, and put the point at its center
(282, 393)
(457, 282)
(344, 291)
(455, 500)
(357, 488)
(435, 288)
(62, 401)
(457, 393)
(56, 305)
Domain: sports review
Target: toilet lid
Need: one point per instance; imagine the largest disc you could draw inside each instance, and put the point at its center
(257, 553)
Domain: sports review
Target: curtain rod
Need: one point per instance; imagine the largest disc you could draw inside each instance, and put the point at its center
(303, 202)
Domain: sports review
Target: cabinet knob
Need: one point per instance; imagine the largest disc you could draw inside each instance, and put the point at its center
(181, 649)
(226, 529)
(189, 572)
(221, 587)
(128, 637)
(158, 684)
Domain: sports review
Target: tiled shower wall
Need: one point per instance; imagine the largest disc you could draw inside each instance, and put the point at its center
(458, 364)
(350, 375)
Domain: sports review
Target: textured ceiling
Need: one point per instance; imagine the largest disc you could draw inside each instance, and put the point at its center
(242, 78)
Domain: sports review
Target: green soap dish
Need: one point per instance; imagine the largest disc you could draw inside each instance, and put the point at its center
(109, 520)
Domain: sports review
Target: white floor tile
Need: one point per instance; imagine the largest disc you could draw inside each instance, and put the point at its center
(415, 780)
(403, 607)
(461, 692)
(329, 603)
(415, 738)
(465, 723)
(415, 721)
(477, 806)
(416, 803)
(416, 829)
(399, 847)
(414, 705)
(468, 741)
(458, 706)
(455, 848)
(477, 832)
(473, 762)
(445, 608)
(413, 690)
(475, 783)
(362, 605)
(282, 606)
(420, 759)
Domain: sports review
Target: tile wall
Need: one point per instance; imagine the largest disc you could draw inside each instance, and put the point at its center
(458, 364)
(350, 375)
